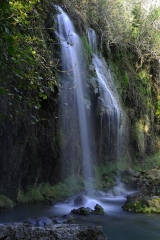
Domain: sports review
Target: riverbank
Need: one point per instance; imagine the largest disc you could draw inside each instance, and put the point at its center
(24, 231)
(147, 199)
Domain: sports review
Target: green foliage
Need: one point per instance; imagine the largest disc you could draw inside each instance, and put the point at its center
(143, 86)
(87, 47)
(158, 107)
(87, 51)
(120, 75)
(105, 175)
(27, 70)
(138, 135)
(151, 162)
(45, 191)
(136, 22)
(5, 203)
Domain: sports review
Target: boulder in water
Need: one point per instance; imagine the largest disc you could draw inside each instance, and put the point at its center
(98, 210)
(82, 211)
(79, 200)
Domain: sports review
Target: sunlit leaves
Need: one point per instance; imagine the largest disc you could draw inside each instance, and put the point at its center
(26, 75)
(21, 9)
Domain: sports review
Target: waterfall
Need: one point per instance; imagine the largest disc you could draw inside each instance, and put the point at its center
(75, 131)
(110, 110)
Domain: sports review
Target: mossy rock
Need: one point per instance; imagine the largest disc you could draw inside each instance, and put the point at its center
(82, 211)
(5, 203)
(98, 210)
(145, 205)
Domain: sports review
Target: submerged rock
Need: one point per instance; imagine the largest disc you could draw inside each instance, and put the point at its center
(24, 231)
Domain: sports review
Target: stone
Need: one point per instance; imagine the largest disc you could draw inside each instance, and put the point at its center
(25, 231)
(64, 219)
(39, 222)
(79, 200)
(82, 211)
(98, 210)
(142, 203)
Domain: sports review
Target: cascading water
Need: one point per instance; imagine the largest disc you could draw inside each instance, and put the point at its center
(110, 110)
(75, 121)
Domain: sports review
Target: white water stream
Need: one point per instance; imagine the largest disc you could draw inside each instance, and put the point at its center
(72, 94)
(108, 103)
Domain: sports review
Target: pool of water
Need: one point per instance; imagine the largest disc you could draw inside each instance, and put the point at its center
(117, 224)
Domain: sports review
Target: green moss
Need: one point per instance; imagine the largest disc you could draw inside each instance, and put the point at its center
(87, 51)
(86, 45)
(5, 203)
(136, 207)
(144, 206)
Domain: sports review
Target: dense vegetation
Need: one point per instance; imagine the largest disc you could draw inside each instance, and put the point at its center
(26, 57)
(25, 46)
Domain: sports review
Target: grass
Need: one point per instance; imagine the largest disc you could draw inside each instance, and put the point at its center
(45, 191)
(5, 203)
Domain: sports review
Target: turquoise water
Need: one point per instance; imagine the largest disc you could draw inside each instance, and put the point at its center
(117, 224)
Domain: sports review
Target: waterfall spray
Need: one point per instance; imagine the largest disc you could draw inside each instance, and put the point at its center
(107, 101)
(73, 79)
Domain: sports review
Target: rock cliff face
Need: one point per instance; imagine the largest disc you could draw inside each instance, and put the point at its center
(29, 153)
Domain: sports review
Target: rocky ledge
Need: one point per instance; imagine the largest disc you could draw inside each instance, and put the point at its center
(142, 203)
(147, 199)
(24, 231)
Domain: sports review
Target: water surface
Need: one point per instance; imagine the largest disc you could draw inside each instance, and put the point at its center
(117, 224)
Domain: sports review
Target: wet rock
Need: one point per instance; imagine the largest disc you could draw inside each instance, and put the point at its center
(79, 200)
(39, 222)
(24, 231)
(142, 203)
(82, 211)
(52, 201)
(64, 219)
(69, 218)
(98, 210)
